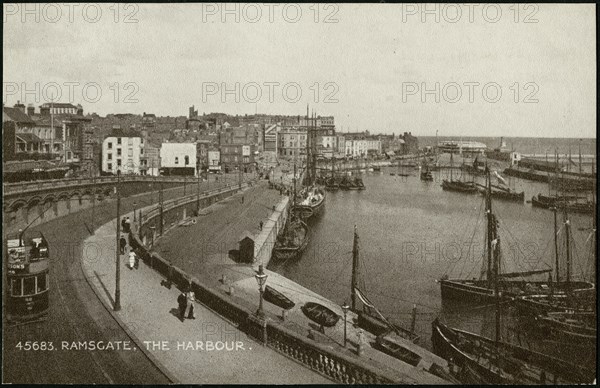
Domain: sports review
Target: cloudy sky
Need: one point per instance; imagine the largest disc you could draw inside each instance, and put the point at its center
(510, 70)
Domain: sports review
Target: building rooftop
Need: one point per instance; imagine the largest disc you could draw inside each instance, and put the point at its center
(29, 137)
(16, 115)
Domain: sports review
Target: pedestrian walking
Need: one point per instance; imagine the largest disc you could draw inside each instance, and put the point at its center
(181, 302)
(260, 225)
(132, 260)
(189, 308)
(123, 224)
(122, 244)
(242, 199)
(127, 225)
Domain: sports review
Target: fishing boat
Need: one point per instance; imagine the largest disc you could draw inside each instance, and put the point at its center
(458, 186)
(426, 173)
(320, 314)
(370, 318)
(511, 284)
(292, 243)
(313, 199)
(489, 361)
(569, 326)
(574, 297)
(503, 193)
(494, 361)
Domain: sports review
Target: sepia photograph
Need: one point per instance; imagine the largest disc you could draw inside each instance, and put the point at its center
(299, 193)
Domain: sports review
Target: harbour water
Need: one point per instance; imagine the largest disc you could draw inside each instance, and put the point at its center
(412, 233)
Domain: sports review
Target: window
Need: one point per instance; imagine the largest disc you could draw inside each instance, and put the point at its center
(29, 286)
(176, 160)
(187, 160)
(130, 152)
(118, 152)
(109, 145)
(141, 151)
(42, 284)
(118, 162)
(130, 141)
(142, 140)
(109, 166)
(118, 140)
(109, 156)
(16, 289)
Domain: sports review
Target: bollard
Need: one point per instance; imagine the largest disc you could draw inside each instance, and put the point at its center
(360, 349)
(223, 279)
(231, 290)
(283, 314)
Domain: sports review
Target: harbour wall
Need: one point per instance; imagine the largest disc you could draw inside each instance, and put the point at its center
(341, 368)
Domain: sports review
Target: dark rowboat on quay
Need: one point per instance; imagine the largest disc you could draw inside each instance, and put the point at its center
(320, 314)
(271, 295)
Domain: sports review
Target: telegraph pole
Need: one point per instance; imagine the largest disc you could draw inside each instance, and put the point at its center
(93, 202)
(117, 306)
(198, 193)
(160, 200)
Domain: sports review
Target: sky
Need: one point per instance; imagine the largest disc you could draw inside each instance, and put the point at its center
(501, 70)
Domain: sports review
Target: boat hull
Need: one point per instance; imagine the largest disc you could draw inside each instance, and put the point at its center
(460, 347)
(460, 187)
(476, 291)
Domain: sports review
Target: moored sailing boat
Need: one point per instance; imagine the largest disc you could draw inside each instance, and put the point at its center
(492, 361)
(458, 186)
(481, 290)
(370, 318)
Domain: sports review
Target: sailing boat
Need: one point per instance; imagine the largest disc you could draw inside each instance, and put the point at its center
(370, 318)
(294, 239)
(331, 183)
(482, 290)
(503, 193)
(491, 361)
(426, 173)
(313, 196)
(459, 186)
(574, 298)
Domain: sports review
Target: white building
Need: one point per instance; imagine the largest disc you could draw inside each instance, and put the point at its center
(361, 147)
(122, 151)
(178, 158)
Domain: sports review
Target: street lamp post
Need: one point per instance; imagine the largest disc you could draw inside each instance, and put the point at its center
(345, 308)
(134, 211)
(117, 305)
(261, 279)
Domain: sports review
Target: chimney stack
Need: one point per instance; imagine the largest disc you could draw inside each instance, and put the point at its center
(20, 106)
(30, 110)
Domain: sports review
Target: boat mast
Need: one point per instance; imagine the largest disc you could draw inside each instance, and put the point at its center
(488, 208)
(355, 258)
(494, 231)
(556, 245)
(451, 164)
(567, 238)
(294, 184)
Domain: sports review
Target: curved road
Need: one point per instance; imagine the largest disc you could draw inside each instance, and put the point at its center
(76, 314)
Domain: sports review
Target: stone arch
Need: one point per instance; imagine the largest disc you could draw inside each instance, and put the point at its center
(34, 201)
(49, 198)
(17, 204)
(63, 195)
(88, 191)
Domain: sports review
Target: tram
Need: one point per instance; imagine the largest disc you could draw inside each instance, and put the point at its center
(27, 278)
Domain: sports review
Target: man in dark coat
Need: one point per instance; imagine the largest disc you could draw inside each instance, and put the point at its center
(122, 244)
(182, 302)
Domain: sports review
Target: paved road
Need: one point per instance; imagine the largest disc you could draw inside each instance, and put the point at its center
(201, 351)
(76, 314)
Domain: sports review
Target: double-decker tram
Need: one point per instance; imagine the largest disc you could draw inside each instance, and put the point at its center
(27, 278)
